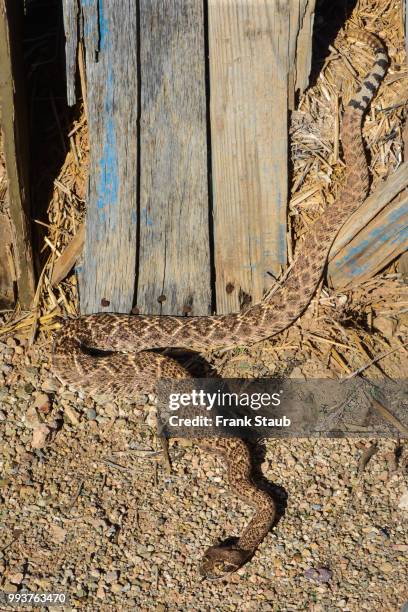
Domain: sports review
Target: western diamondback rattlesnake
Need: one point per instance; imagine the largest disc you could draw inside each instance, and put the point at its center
(129, 367)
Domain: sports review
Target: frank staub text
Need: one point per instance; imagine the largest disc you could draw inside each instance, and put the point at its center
(225, 409)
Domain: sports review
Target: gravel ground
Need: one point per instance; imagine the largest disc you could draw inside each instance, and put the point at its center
(87, 506)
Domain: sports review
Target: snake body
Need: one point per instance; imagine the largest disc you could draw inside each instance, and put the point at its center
(128, 365)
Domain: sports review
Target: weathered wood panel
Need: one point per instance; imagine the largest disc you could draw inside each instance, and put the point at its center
(174, 257)
(253, 73)
(14, 127)
(107, 278)
(384, 239)
(259, 53)
(382, 196)
(374, 235)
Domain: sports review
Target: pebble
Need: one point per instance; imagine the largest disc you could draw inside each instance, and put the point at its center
(111, 576)
(42, 402)
(386, 567)
(91, 414)
(403, 502)
(50, 384)
(16, 578)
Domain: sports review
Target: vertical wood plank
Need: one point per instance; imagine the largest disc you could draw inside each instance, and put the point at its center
(174, 259)
(300, 55)
(70, 12)
(252, 52)
(107, 277)
(14, 127)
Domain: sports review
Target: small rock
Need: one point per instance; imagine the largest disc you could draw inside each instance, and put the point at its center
(42, 402)
(71, 414)
(320, 574)
(386, 567)
(50, 384)
(40, 435)
(16, 578)
(91, 414)
(112, 576)
(403, 502)
(58, 533)
(31, 417)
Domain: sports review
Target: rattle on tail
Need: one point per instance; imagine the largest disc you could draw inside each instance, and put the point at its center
(129, 367)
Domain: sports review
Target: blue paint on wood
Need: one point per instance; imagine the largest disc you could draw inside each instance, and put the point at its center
(392, 232)
(108, 187)
(103, 27)
(148, 220)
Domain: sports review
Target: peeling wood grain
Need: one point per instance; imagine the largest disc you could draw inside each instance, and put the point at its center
(174, 259)
(107, 278)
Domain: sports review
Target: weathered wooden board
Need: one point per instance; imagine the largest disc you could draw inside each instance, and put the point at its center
(253, 73)
(14, 127)
(174, 256)
(374, 247)
(107, 277)
(383, 195)
(374, 235)
(259, 54)
(70, 12)
(68, 257)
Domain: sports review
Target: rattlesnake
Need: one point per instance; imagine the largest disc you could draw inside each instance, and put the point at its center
(128, 366)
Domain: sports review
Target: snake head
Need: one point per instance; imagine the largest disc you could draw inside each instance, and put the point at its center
(223, 559)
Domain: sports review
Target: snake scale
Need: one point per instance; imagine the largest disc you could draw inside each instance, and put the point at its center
(130, 367)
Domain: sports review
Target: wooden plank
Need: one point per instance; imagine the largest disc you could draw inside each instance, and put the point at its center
(68, 257)
(14, 127)
(252, 53)
(7, 272)
(174, 258)
(388, 190)
(374, 247)
(70, 13)
(374, 235)
(107, 277)
(302, 18)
